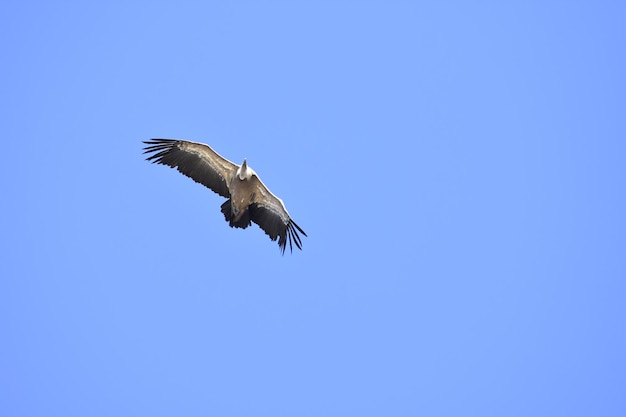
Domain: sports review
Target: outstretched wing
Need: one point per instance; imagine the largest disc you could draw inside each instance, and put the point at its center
(269, 212)
(195, 160)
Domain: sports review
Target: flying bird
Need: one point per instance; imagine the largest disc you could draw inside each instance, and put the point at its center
(249, 200)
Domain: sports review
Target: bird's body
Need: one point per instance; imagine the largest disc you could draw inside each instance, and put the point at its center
(242, 191)
(249, 200)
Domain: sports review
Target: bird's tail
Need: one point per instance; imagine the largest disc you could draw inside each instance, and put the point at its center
(244, 219)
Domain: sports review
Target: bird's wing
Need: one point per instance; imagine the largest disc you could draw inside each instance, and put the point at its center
(269, 212)
(195, 160)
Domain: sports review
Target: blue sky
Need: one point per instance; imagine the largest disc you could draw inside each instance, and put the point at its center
(458, 167)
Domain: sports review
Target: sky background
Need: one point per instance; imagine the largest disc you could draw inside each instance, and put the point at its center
(459, 168)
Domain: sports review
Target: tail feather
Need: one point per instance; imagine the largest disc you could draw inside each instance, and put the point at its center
(244, 220)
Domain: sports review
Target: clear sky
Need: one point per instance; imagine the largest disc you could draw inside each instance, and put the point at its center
(459, 168)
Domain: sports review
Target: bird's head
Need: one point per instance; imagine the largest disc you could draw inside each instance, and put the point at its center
(243, 172)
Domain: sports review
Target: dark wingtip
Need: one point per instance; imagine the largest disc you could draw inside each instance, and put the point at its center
(299, 228)
(292, 237)
(158, 148)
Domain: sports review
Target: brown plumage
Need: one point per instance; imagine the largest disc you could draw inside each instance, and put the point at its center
(249, 200)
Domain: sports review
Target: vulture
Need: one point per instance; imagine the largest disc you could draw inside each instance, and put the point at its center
(248, 199)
